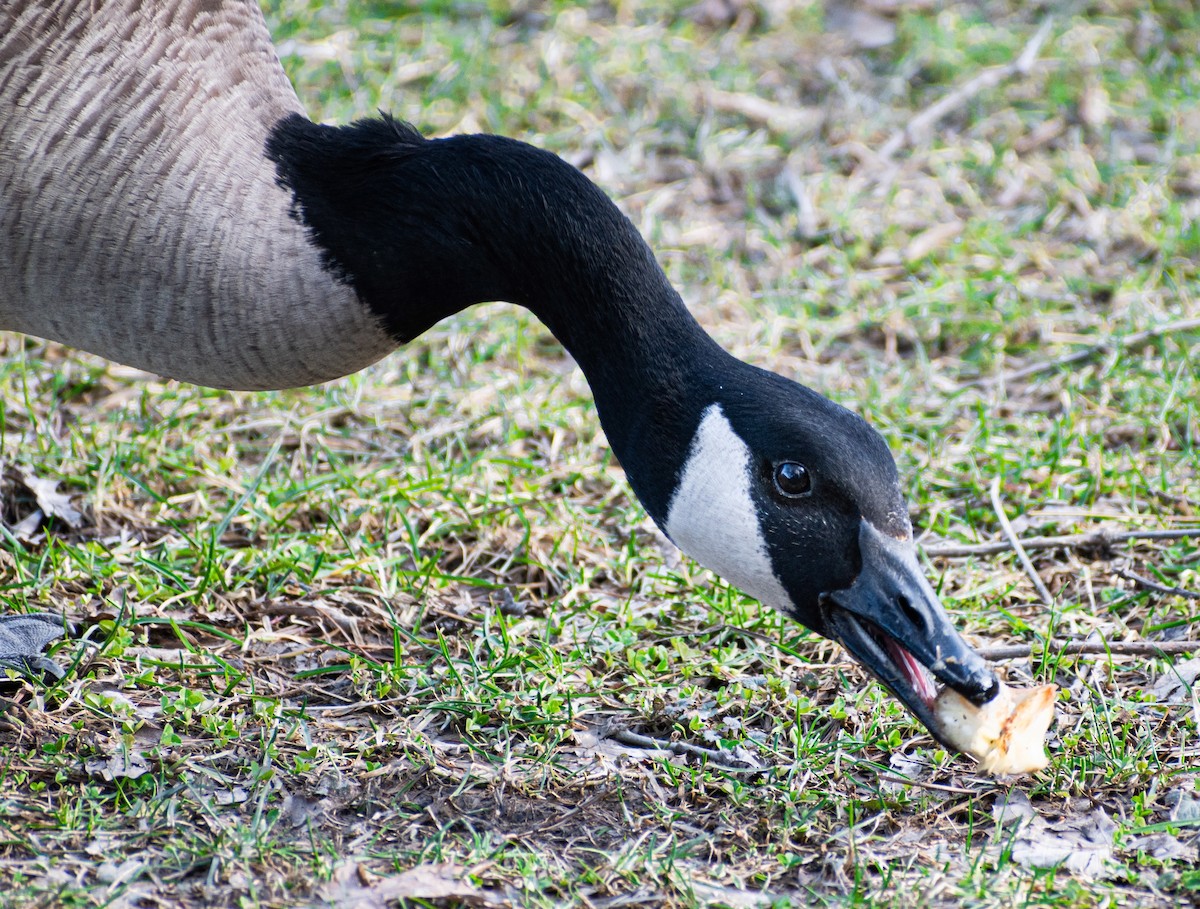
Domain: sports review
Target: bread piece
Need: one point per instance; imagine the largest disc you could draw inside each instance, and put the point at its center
(1007, 734)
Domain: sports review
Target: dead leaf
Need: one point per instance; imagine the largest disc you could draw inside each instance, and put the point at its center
(914, 768)
(1013, 808)
(1162, 846)
(127, 763)
(1186, 807)
(732, 897)
(235, 796)
(1081, 844)
(298, 811)
(353, 886)
(27, 529)
(54, 504)
(1172, 686)
(48, 501)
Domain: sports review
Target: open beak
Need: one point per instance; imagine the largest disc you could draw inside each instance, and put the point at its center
(893, 623)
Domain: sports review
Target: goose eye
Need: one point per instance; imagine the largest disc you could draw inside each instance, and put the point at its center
(792, 479)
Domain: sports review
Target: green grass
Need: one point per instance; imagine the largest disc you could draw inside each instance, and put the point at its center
(391, 620)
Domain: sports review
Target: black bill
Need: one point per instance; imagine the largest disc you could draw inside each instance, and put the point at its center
(893, 623)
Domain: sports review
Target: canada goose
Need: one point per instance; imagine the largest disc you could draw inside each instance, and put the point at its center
(167, 204)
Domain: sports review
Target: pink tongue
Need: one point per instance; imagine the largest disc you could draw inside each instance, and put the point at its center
(915, 671)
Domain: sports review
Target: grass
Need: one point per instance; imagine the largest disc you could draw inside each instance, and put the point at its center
(371, 639)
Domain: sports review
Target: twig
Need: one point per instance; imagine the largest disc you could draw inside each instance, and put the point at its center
(1067, 648)
(782, 118)
(1095, 539)
(994, 493)
(719, 759)
(1154, 585)
(936, 787)
(1174, 499)
(923, 122)
(1088, 353)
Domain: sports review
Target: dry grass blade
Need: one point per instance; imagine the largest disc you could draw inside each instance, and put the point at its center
(1015, 543)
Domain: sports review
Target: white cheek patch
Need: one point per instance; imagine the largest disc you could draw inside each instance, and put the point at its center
(712, 516)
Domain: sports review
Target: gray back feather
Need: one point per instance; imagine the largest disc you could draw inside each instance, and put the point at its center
(139, 218)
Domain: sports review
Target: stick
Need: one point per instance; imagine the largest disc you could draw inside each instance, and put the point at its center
(994, 493)
(923, 122)
(936, 787)
(1088, 353)
(1174, 499)
(1097, 539)
(1154, 585)
(718, 758)
(1116, 648)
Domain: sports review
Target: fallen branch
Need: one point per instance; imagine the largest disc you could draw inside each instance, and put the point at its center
(1071, 648)
(1155, 586)
(998, 507)
(1088, 353)
(923, 123)
(1101, 539)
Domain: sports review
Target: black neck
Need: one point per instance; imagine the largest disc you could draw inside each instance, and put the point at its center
(424, 228)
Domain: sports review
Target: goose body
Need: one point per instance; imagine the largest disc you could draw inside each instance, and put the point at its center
(166, 204)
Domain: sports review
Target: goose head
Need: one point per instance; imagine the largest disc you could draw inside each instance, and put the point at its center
(797, 501)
